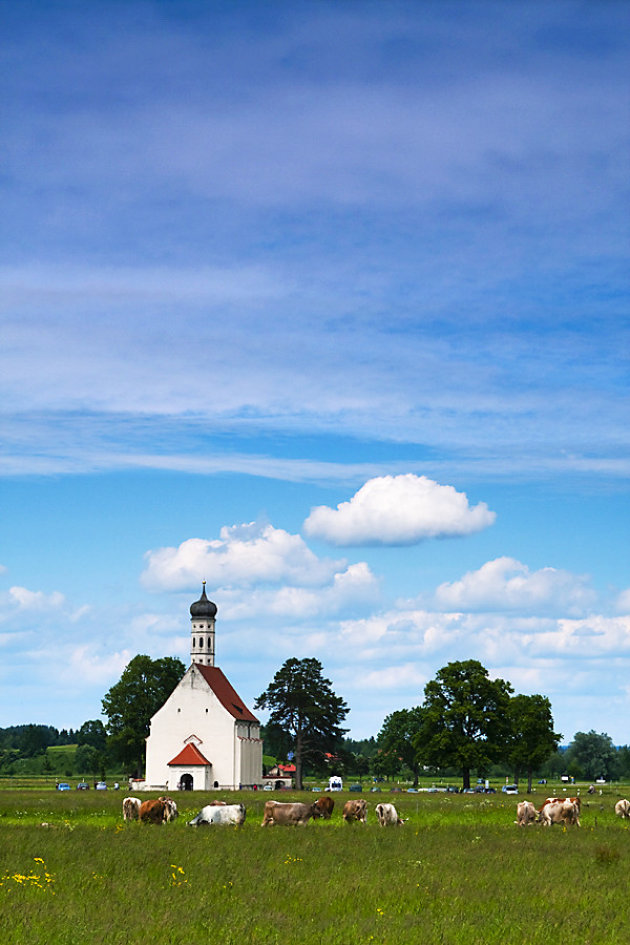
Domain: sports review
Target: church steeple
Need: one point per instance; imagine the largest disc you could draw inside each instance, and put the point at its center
(202, 615)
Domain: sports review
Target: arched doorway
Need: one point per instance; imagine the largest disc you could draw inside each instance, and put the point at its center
(186, 782)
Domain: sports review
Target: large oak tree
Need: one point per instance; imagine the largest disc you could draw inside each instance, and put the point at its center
(532, 738)
(465, 721)
(129, 705)
(303, 705)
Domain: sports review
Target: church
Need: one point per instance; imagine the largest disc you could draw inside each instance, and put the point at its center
(204, 737)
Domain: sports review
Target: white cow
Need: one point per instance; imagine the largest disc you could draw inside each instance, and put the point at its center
(622, 809)
(387, 815)
(526, 813)
(131, 808)
(215, 814)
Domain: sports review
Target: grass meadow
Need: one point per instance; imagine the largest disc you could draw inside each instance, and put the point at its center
(459, 871)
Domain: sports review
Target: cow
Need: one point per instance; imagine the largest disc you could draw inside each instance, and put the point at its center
(355, 810)
(289, 814)
(388, 815)
(325, 806)
(219, 814)
(622, 809)
(558, 810)
(217, 804)
(159, 811)
(526, 813)
(131, 808)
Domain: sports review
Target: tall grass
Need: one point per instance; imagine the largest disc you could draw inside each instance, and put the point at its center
(458, 872)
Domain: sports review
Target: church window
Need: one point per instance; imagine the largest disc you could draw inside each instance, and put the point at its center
(194, 644)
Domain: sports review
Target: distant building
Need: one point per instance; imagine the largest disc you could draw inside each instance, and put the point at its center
(204, 736)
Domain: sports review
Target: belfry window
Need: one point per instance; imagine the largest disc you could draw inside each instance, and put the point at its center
(194, 644)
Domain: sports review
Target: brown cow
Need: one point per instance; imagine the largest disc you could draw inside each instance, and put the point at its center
(325, 806)
(355, 810)
(159, 811)
(288, 814)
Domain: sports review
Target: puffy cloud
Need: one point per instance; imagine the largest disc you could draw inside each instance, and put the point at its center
(35, 600)
(398, 510)
(243, 554)
(505, 584)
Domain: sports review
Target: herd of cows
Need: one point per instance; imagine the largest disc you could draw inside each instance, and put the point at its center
(555, 810)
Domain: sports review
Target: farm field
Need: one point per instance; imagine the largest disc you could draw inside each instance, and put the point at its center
(459, 871)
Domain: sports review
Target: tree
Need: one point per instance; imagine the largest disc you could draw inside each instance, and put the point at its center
(594, 755)
(396, 742)
(93, 733)
(464, 719)
(143, 688)
(532, 738)
(303, 705)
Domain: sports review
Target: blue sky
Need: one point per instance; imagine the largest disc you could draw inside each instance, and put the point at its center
(326, 304)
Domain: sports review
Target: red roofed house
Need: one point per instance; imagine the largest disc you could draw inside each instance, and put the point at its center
(204, 736)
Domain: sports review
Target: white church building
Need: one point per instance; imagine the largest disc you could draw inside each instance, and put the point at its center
(204, 737)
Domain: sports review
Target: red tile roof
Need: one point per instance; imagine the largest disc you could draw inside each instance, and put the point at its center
(189, 755)
(225, 693)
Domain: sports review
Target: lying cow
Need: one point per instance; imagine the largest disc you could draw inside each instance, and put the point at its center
(622, 809)
(289, 814)
(526, 813)
(388, 815)
(325, 806)
(131, 808)
(559, 810)
(159, 811)
(219, 814)
(355, 810)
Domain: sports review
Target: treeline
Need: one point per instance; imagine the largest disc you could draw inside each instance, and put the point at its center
(45, 750)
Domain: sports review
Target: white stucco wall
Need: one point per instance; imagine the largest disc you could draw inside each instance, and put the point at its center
(232, 746)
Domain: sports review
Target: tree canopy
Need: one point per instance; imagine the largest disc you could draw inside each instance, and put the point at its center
(592, 756)
(303, 705)
(532, 738)
(396, 743)
(143, 688)
(465, 720)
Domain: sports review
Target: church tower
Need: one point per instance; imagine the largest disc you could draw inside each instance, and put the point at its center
(202, 614)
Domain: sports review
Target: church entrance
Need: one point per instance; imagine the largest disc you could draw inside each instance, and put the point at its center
(186, 782)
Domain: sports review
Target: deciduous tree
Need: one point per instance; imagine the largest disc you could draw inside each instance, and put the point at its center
(464, 719)
(143, 688)
(303, 705)
(396, 742)
(532, 738)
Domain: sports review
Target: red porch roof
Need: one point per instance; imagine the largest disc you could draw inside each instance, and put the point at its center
(189, 755)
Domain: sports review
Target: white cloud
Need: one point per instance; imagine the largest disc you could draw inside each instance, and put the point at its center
(623, 602)
(35, 600)
(244, 554)
(505, 584)
(398, 510)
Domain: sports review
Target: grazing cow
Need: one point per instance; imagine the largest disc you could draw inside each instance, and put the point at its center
(622, 809)
(160, 811)
(217, 804)
(219, 814)
(170, 809)
(526, 813)
(325, 806)
(388, 815)
(131, 808)
(289, 814)
(355, 810)
(558, 810)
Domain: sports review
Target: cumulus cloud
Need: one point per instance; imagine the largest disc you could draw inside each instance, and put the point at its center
(35, 600)
(506, 584)
(398, 510)
(243, 554)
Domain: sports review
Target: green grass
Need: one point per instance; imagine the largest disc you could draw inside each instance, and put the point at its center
(459, 872)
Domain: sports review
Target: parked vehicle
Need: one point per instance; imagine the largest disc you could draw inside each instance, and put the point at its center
(63, 786)
(83, 786)
(355, 787)
(335, 783)
(100, 786)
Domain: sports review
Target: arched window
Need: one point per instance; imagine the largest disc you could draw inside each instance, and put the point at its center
(194, 644)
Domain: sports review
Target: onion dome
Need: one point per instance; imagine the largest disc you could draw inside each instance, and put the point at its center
(203, 607)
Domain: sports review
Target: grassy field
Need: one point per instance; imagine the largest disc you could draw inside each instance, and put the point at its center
(459, 871)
